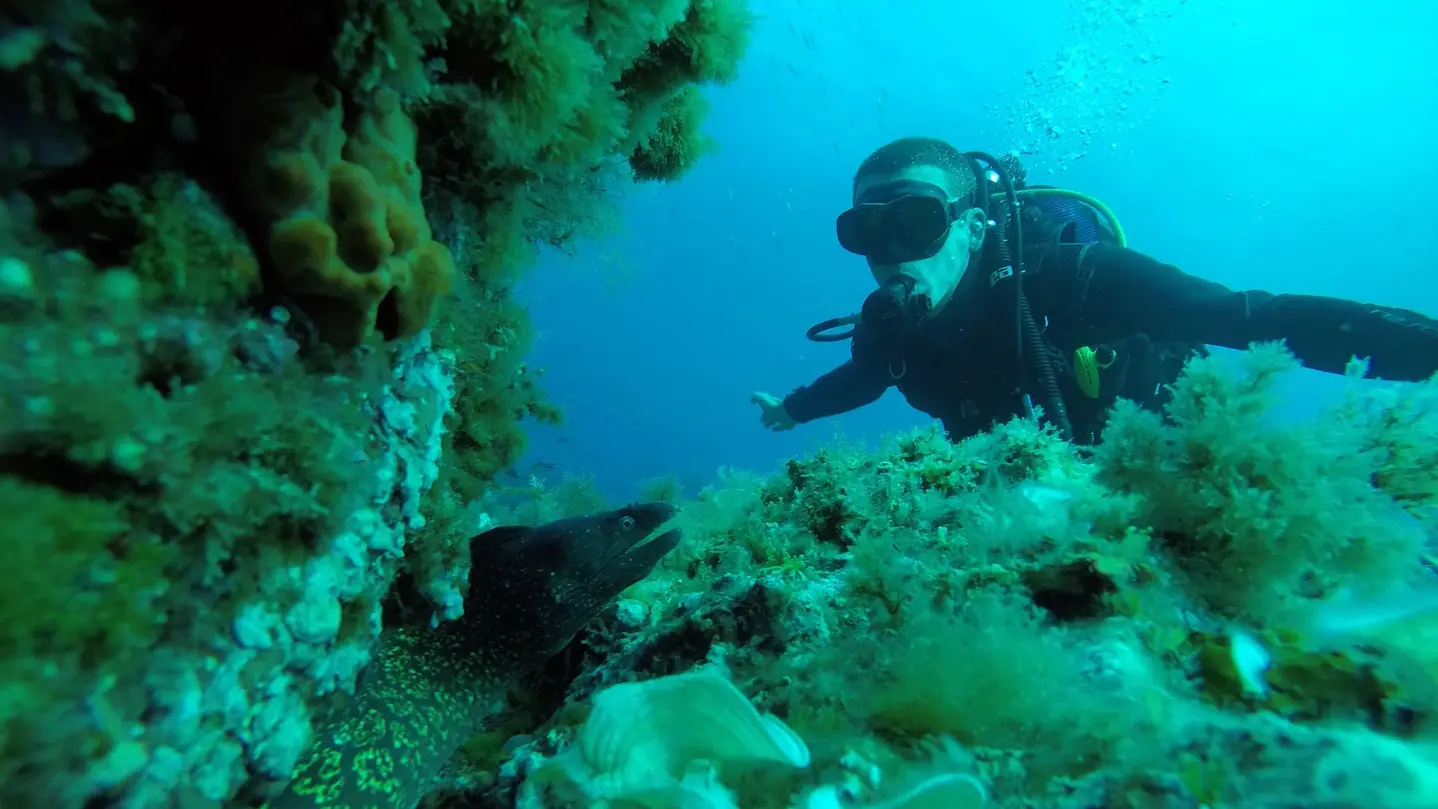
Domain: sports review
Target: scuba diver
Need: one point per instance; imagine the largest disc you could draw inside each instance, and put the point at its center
(995, 296)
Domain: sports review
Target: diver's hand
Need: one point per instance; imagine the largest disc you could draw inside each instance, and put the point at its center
(772, 413)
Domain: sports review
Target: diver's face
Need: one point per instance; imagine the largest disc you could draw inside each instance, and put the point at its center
(938, 275)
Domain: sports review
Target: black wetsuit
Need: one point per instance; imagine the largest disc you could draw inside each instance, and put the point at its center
(961, 365)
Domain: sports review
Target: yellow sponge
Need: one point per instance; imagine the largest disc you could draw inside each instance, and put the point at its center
(340, 206)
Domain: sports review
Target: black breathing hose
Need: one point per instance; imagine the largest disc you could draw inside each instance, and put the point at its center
(1027, 336)
(1048, 380)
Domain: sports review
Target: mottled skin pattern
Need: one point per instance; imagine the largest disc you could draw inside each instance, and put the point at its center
(429, 690)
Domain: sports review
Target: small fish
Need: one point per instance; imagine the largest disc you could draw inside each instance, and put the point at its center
(523, 474)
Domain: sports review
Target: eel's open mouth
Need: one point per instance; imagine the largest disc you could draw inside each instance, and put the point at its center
(633, 564)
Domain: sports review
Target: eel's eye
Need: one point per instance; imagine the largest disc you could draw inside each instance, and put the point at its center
(626, 523)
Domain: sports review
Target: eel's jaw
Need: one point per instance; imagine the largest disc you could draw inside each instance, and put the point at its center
(666, 542)
(632, 564)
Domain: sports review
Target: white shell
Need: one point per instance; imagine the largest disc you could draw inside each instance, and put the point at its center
(659, 743)
(638, 730)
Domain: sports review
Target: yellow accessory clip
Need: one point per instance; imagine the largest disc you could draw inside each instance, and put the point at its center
(1087, 364)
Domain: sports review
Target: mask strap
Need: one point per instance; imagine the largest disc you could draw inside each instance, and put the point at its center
(980, 198)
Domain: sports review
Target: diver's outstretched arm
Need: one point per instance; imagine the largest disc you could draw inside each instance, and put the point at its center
(848, 387)
(1117, 292)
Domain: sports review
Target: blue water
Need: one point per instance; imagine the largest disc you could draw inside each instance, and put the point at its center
(1277, 145)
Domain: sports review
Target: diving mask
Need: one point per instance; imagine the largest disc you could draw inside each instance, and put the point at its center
(899, 222)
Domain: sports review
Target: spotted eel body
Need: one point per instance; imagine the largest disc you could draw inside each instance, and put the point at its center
(428, 690)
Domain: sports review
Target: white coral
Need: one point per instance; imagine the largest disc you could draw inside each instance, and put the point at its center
(227, 712)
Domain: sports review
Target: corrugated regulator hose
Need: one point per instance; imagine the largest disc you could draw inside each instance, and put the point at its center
(1030, 340)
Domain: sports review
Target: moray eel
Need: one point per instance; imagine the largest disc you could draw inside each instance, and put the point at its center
(428, 690)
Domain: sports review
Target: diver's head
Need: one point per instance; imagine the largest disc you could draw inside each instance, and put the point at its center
(915, 218)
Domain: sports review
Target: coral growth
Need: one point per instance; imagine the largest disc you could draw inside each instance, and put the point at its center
(1259, 512)
(167, 462)
(235, 407)
(1053, 625)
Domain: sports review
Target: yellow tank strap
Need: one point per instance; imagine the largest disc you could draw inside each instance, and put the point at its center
(1086, 368)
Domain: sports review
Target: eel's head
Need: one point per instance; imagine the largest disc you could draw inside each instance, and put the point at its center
(533, 589)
